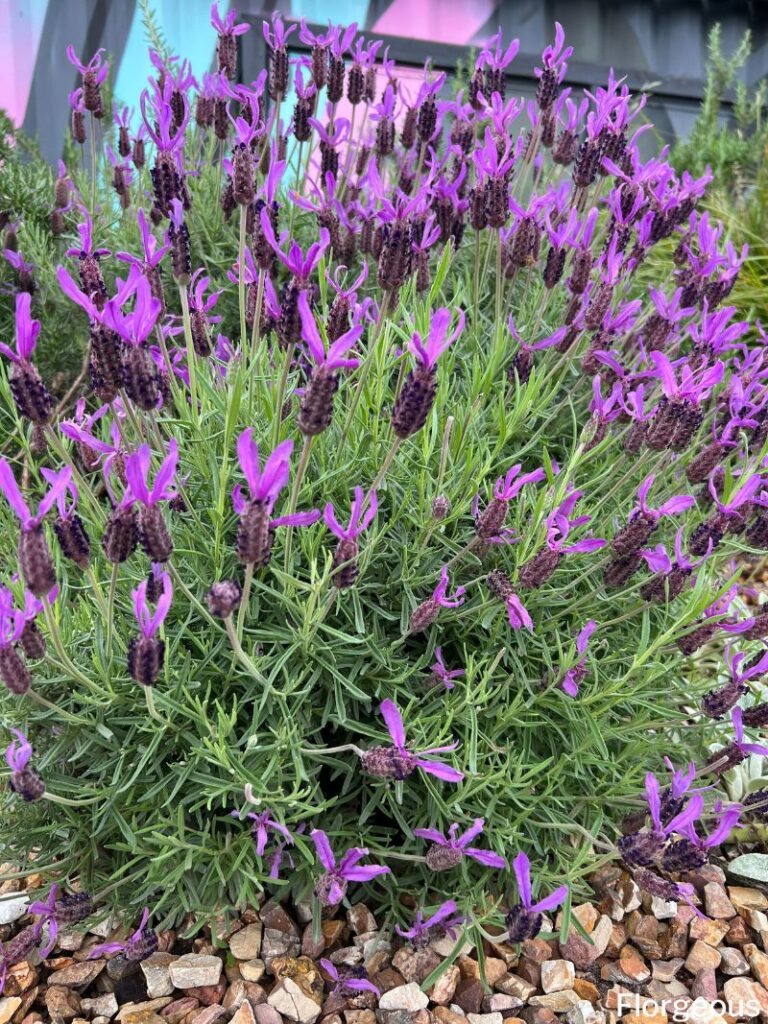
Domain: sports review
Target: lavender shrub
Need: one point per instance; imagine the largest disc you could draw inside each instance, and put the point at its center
(393, 505)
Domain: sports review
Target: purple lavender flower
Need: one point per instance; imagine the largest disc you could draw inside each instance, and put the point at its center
(256, 528)
(146, 652)
(414, 402)
(642, 849)
(445, 919)
(559, 523)
(345, 555)
(30, 395)
(35, 559)
(574, 676)
(263, 824)
(396, 761)
(738, 750)
(489, 525)
(25, 781)
(331, 887)
(643, 519)
(94, 73)
(441, 674)
(428, 610)
(138, 946)
(153, 532)
(354, 979)
(524, 919)
(447, 851)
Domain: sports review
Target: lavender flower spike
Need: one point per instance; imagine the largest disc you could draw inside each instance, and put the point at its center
(574, 676)
(441, 674)
(428, 610)
(263, 823)
(256, 528)
(446, 918)
(737, 751)
(643, 520)
(354, 979)
(347, 549)
(417, 394)
(25, 781)
(523, 920)
(30, 395)
(331, 887)
(447, 851)
(146, 652)
(153, 532)
(138, 946)
(397, 762)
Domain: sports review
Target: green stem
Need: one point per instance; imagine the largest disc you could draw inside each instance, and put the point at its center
(66, 802)
(64, 658)
(191, 355)
(241, 280)
(38, 699)
(150, 698)
(240, 654)
(294, 500)
(111, 610)
(244, 600)
(366, 368)
(382, 470)
(281, 392)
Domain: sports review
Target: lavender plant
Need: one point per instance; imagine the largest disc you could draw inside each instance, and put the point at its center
(214, 682)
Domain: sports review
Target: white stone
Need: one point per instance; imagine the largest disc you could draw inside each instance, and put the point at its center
(557, 975)
(663, 910)
(193, 970)
(246, 944)
(485, 1018)
(404, 997)
(11, 910)
(287, 998)
(157, 972)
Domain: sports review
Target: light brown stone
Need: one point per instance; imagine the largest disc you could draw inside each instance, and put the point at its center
(246, 944)
(701, 955)
(557, 975)
(444, 989)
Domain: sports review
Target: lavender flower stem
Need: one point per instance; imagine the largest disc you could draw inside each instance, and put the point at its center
(256, 333)
(332, 750)
(66, 661)
(38, 699)
(92, 122)
(283, 383)
(241, 281)
(111, 609)
(296, 184)
(150, 697)
(82, 484)
(388, 458)
(294, 500)
(66, 802)
(366, 368)
(191, 357)
(247, 581)
(240, 654)
(98, 594)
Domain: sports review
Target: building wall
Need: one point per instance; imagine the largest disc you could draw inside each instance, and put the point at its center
(660, 43)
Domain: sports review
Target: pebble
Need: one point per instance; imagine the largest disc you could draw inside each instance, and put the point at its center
(246, 944)
(734, 962)
(12, 909)
(752, 866)
(151, 1006)
(558, 1002)
(209, 1014)
(485, 1018)
(266, 1014)
(580, 952)
(244, 1014)
(701, 955)
(404, 997)
(289, 1000)
(78, 975)
(100, 1006)
(61, 1003)
(8, 1006)
(513, 985)
(716, 902)
(665, 970)
(195, 970)
(156, 970)
(442, 992)
(252, 970)
(744, 898)
(741, 994)
(176, 1011)
(557, 975)
(662, 909)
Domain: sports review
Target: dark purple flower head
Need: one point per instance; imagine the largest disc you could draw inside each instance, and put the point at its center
(15, 499)
(96, 65)
(136, 947)
(27, 331)
(150, 623)
(228, 26)
(445, 919)
(460, 843)
(334, 358)
(524, 918)
(438, 338)
(440, 673)
(137, 474)
(332, 886)
(394, 722)
(573, 677)
(358, 520)
(349, 982)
